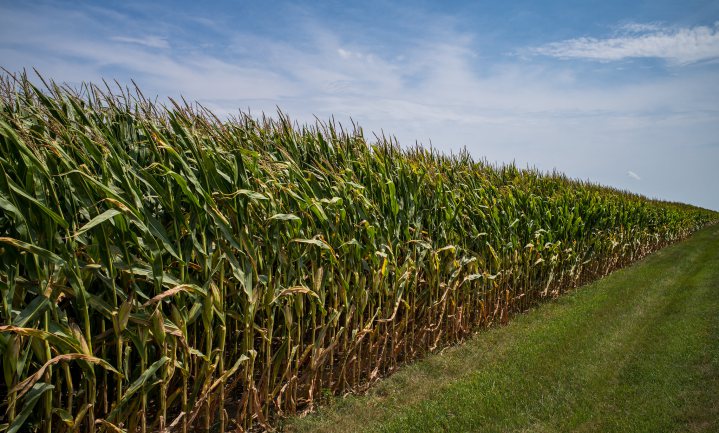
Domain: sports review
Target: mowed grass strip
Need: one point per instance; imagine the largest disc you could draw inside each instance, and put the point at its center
(637, 351)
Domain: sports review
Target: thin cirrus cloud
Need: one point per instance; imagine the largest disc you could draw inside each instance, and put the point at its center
(633, 175)
(633, 27)
(148, 41)
(678, 46)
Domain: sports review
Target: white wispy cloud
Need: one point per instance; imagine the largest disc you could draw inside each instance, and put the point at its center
(633, 175)
(147, 41)
(633, 27)
(675, 45)
(348, 54)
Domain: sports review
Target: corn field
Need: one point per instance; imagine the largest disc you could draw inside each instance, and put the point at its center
(165, 270)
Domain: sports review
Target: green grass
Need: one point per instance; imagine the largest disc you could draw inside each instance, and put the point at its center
(637, 351)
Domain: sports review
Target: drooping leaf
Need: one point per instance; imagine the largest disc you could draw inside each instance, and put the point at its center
(33, 249)
(29, 403)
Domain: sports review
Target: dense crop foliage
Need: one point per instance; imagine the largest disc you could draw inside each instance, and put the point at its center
(163, 269)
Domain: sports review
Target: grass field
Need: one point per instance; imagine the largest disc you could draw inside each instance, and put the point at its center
(637, 351)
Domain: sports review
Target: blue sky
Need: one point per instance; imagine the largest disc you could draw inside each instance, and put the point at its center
(622, 94)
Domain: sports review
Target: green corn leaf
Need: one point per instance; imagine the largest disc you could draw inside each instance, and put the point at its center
(284, 217)
(108, 214)
(144, 378)
(29, 403)
(317, 242)
(33, 249)
(49, 212)
(32, 311)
